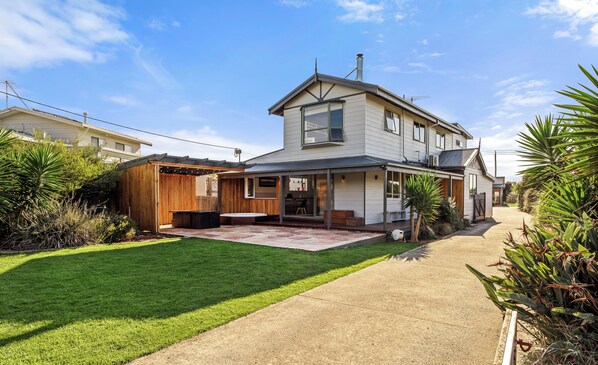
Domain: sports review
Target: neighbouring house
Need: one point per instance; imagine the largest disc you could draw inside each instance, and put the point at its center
(27, 123)
(348, 147)
(498, 191)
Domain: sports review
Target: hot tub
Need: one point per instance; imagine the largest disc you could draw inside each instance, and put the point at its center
(240, 218)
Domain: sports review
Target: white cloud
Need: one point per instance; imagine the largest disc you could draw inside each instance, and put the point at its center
(576, 13)
(360, 11)
(204, 134)
(161, 25)
(123, 100)
(417, 64)
(152, 64)
(424, 42)
(295, 3)
(527, 93)
(400, 16)
(380, 38)
(39, 34)
(185, 109)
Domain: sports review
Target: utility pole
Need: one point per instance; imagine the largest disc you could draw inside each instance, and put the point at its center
(495, 163)
(6, 85)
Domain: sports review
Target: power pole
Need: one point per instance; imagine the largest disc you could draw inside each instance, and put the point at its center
(495, 163)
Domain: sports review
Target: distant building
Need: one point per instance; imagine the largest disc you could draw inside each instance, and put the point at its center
(26, 123)
(498, 191)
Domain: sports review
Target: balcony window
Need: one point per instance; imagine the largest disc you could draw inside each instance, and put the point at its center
(323, 123)
(419, 132)
(460, 144)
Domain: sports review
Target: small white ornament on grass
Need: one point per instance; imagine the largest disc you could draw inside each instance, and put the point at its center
(398, 235)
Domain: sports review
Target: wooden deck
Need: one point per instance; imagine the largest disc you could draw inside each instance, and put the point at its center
(312, 223)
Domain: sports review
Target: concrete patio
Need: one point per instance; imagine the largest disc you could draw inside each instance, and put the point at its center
(308, 239)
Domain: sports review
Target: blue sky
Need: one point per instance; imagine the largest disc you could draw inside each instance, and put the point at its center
(209, 71)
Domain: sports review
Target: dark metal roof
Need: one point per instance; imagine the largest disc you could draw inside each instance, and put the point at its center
(278, 107)
(183, 160)
(456, 158)
(334, 164)
(329, 163)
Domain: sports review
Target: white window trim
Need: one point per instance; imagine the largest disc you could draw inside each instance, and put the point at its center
(420, 126)
(395, 118)
(442, 140)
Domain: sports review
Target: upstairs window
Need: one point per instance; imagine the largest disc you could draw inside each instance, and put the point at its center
(440, 140)
(323, 123)
(419, 132)
(460, 144)
(123, 147)
(98, 142)
(389, 121)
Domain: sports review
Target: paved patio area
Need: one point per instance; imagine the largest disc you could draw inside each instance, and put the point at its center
(308, 239)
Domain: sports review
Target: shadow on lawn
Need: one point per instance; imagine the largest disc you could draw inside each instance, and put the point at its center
(156, 281)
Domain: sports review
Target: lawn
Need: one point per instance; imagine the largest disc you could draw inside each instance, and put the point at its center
(111, 304)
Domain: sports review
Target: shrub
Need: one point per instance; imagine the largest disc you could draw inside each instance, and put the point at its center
(447, 213)
(551, 279)
(423, 196)
(67, 223)
(512, 197)
(444, 229)
(530, 198)
(118, 228)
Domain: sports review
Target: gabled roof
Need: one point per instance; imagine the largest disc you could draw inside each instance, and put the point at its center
(61, 119)
(379, 91)
(459, 159)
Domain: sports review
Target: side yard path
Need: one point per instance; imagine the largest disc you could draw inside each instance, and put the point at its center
(427, 309)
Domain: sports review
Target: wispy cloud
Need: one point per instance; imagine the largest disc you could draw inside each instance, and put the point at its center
(148, 61)
(162, 25)
(205, 134)
(35, 34)
(575, 13)
(124, 100)
(432, 55)
(295, 3)
(360, 11)
(524, 93)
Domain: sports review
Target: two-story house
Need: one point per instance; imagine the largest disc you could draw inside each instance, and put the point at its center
(27, 123)
(350, 145)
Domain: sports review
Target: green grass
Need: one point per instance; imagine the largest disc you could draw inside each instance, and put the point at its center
(512, 205)
(112, 304)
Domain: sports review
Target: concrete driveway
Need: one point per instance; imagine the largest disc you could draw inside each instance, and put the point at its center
(427, 309)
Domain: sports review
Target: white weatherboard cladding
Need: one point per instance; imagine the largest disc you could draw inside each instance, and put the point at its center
(353, 132)
(348, 194)
(66, 132)
(373, 196)
(484, 186)
(30, 123)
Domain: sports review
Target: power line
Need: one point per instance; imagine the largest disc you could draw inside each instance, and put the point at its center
(120, 125)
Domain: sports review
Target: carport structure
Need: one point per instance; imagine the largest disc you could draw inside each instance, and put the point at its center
(152, 187)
